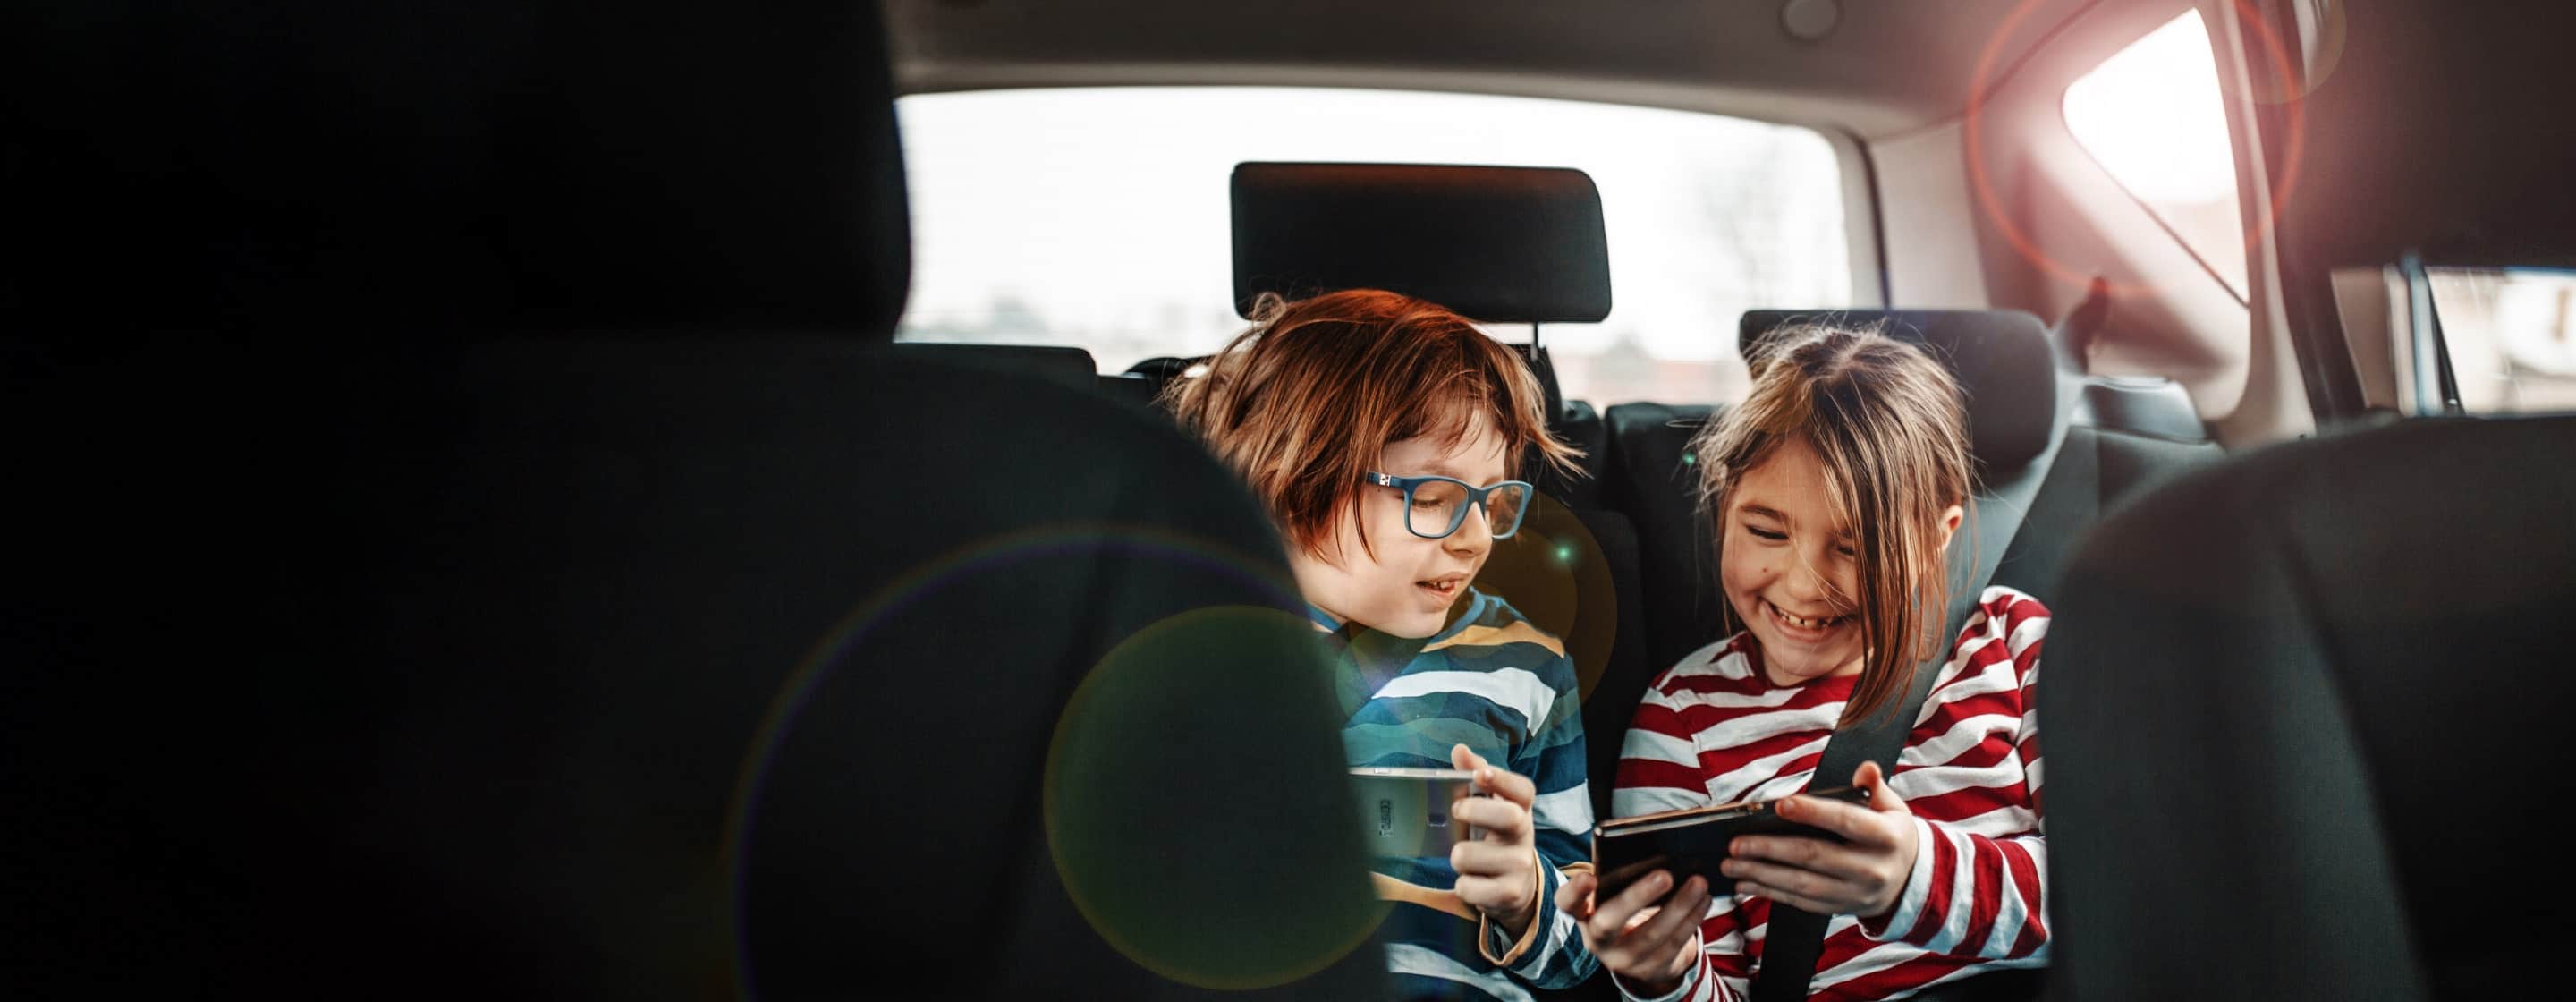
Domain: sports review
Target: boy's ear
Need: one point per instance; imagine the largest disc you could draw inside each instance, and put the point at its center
(1950, 519)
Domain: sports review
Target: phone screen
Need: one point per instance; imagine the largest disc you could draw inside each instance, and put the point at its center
(1406, 813)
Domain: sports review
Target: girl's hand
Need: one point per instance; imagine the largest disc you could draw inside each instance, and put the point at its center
(1863, 878)
(1498, 870)
(1647, 946)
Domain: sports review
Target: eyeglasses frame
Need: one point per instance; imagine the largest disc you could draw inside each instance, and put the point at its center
(1458, 519)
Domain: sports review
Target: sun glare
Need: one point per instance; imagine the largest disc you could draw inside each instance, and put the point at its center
(2153, 117)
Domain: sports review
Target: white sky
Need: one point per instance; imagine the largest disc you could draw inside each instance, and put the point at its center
(2153, 116)
(1105, 210)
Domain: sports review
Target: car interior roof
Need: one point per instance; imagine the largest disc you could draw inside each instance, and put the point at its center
(1882, 70)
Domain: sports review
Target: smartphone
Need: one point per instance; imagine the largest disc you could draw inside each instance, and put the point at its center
(1408, 812)
(1692, 841)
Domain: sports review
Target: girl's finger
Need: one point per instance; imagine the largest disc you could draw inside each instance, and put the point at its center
(1812, 886)
(1610, 917)
(1574, 896)
(1798, 852)
(1882, 797)
(1799, 901)
(1676, 921)
(1851, 821)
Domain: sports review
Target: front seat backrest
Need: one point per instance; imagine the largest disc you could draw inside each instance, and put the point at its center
(489, 549)
(2305, 716)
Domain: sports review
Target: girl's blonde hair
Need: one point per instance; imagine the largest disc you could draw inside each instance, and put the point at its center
(1303, 402)
(1890, 427)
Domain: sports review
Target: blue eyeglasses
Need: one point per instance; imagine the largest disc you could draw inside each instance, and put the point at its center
(1434, 507)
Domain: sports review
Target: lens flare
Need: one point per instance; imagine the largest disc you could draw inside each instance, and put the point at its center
(1198, 819)
(2319, 26)
(2273, 59)
(946, 577)
(1553, 572)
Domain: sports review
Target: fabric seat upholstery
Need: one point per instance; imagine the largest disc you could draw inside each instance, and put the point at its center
(550, 592)
(2307, 719)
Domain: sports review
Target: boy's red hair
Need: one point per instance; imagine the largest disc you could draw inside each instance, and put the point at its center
(1303, 402)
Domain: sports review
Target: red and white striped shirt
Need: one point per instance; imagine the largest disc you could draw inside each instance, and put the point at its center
(1713, 730)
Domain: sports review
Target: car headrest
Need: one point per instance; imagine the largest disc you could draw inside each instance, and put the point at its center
(1065, 364)
(2001, 359)
(2409, 111)
(320, 168)
(1507, 244)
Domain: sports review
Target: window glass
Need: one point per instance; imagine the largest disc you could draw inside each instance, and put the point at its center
(2151, 115)
(2512, 338)
(1099, 217)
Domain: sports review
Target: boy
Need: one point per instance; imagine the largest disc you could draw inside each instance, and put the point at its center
(1379, 430)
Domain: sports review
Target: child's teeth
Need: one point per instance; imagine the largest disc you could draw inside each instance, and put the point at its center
(1802, 623)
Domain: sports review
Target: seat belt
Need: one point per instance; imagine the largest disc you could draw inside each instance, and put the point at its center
(1797, 936)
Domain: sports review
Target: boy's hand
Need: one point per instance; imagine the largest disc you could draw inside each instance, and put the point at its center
(1649, 947)
(1498, 871)
(1862, 878)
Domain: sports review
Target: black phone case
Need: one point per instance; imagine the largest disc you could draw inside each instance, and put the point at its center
(1621, 857)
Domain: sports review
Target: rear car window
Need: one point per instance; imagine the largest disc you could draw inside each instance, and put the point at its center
(2511, 334)
(1098, 217)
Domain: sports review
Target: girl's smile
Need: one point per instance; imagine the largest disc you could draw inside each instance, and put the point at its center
(1789, 569)
(1816, 628)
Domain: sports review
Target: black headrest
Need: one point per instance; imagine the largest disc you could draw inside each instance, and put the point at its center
(2418, 133)
(1514, 244)
(2001, 358)
(1063, 363)
(348, 169)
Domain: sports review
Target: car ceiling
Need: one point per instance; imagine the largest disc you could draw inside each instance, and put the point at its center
(1888, 66)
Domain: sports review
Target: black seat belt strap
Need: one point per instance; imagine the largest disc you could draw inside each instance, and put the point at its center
(1797, 936)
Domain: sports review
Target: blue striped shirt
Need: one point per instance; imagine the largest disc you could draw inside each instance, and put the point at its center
(1505, 689)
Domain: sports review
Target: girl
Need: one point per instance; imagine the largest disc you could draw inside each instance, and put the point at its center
(1832, 492)
(1379, 430)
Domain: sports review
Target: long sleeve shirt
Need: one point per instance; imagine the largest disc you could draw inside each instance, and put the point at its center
(1713, 729)
(1506, 689)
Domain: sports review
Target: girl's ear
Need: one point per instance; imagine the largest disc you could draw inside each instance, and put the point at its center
(1950, 524)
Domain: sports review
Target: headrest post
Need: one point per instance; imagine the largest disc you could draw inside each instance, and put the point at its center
(1535, 344)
